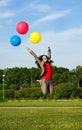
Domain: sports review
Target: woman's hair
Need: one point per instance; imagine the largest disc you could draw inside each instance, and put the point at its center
(40, 58)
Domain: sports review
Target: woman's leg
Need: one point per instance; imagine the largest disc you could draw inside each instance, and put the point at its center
(43, 83)
(51, 87)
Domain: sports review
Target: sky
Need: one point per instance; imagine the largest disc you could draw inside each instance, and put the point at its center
(59, 23)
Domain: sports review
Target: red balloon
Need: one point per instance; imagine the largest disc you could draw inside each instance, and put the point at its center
(22, 27)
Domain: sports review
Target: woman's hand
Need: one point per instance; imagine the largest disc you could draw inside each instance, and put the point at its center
(48, 48)
(28, 49)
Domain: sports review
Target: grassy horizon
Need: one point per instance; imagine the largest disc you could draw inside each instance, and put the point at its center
(42, 103)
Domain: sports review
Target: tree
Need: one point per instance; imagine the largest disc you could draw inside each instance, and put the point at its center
(1, 73)
(79, 75)
(35, 74)
(60, 75)
(65, 90)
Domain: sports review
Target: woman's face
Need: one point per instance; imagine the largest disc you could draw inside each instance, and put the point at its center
(44, 58)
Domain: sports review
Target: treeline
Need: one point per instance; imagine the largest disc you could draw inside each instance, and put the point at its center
(21, 83)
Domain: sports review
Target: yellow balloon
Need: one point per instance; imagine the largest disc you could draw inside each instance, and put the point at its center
(35, 37)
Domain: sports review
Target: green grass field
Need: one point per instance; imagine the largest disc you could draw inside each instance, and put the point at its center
(67, 115)
(41, 119)
(42, 103)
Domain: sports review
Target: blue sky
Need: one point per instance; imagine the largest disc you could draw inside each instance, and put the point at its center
(58, 21)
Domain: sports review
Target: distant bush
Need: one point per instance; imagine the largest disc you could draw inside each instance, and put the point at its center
(1, 86)
(80, 92)
(65, 90)
(29, 93)
(9, 93)
(61, 91)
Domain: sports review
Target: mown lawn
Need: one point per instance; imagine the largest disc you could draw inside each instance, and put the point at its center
(43, 103)
(41, 119)
(66, 115)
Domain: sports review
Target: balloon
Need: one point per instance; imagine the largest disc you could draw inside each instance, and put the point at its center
(35, 37)
(15, 40)
(22, 27)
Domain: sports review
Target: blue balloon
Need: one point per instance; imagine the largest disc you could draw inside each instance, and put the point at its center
(15, 40)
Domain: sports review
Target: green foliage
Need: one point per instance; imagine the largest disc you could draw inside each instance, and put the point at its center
(79, 75)
(80, 92)
(24, 85)
(65, 90)
(1, 86)
(0, 94)
(79, 72)
(28, 93)
(18, 79)
(9, 94)
(12, 86)
(60, 75)
(1, 73)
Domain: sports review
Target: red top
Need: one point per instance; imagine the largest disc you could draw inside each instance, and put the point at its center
(48, 72)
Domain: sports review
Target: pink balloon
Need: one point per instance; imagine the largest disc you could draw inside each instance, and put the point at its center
(22, 27)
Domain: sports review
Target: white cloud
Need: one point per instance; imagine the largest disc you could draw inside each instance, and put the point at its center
(52, 16)
(34, 9)
(4, 3)
(63, 39)
(66, 47)
(6, 14)
(74, 31)
(40, 7)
